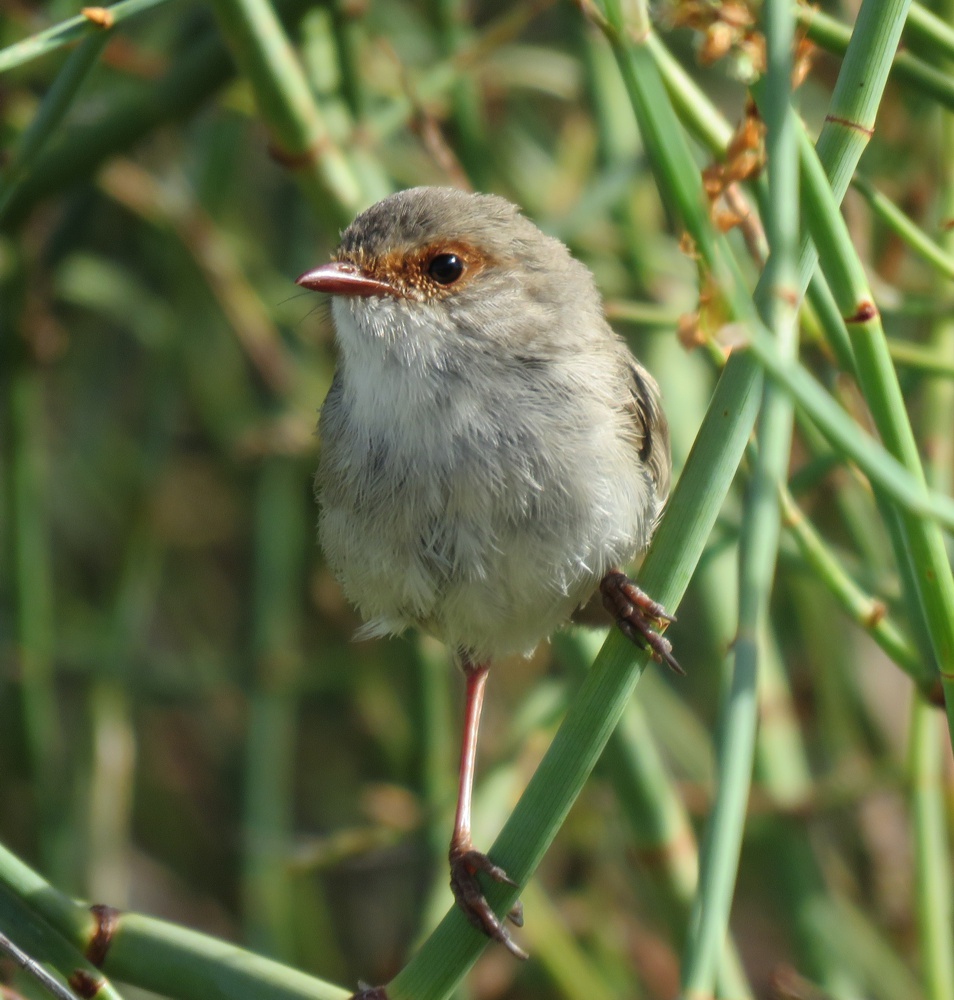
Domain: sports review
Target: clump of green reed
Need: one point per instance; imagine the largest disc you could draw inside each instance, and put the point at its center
(186, 727)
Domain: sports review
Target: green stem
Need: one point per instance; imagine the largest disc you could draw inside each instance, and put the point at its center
(34, 969)
(661, 831)
(203, 67)
(784, 775)
(923, 359)
(159, 956)
(45, 944)
(280, 542)
(56, 103)
(932, 29)
(933, 577)
(829, 34)
(934, 900)
(878, 464)
(35, 619)
(300, 136)
(760, 533)
(932, 863)
(864, 610)
(574, 973)
(66, 32)
(905, 228)
(679, 541)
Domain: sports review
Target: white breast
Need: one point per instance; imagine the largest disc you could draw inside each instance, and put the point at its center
(479, 505)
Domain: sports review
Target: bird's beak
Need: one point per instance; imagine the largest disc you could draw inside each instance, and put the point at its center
(342, 278)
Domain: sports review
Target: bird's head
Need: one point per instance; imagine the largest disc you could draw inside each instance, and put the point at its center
(432, 270)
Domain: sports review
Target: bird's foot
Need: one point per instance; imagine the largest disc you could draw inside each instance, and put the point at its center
(465, 865)
(638, 617)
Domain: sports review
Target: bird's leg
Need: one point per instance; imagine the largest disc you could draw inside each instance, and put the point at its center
(465, 862)
(638, 617)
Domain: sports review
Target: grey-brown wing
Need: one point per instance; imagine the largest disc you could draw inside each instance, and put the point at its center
(652, 429)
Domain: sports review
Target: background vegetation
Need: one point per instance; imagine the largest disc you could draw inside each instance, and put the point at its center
(186, 728)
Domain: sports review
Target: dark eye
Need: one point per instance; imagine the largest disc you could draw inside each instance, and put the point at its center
(445, 268)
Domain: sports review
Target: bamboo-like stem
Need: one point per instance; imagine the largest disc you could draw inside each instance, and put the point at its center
(933, 576)
(669, 154)
(661, 830)
(759, 541)
(830, 34)
(33, 968)
(932, 862)
(850, 121)
(853, 109)
(706, 123)
(159, 956)
(831, 322)
(71, 30)
(703, 119)
(854, 500)
(932, 856)
(300, 136)
(876, 462)
(37, 940)
(708, 126)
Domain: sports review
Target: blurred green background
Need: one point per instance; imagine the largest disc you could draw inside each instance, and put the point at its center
(187, 727)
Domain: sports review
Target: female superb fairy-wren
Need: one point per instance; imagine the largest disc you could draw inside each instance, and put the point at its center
(491, 452)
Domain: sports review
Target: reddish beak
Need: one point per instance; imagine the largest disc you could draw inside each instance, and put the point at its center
(340, 278)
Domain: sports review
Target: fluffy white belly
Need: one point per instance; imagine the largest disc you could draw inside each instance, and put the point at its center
(452, 511)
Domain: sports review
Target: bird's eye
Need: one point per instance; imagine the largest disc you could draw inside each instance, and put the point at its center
(445, 268)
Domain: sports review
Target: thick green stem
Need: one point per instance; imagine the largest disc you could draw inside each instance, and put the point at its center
(162, 957)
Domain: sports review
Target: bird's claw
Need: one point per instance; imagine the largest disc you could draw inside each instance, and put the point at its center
(638, 617)
(464, 868)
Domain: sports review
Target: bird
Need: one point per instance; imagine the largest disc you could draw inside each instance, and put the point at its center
(492, 454)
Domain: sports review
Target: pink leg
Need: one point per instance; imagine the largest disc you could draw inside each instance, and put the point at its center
(465, 862)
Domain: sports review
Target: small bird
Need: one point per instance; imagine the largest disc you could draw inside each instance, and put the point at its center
(492, 454)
